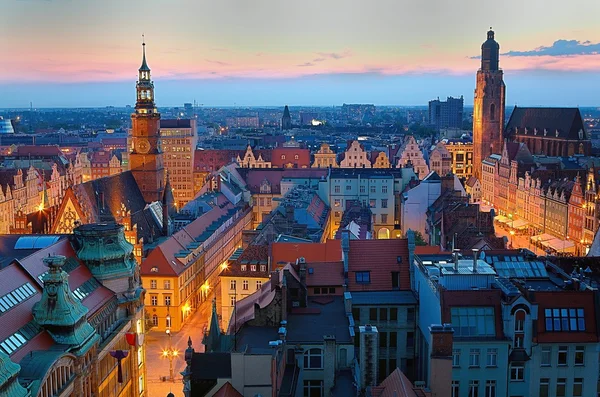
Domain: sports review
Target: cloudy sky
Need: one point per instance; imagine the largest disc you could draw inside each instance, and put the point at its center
(271, 52)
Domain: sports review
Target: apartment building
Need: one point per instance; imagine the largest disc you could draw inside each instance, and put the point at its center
(178, 142)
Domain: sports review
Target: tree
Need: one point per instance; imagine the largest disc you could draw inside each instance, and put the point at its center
(419, 240)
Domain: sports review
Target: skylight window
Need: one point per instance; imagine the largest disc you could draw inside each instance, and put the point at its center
(16, 296)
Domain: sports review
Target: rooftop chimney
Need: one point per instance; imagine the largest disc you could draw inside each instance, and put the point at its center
(440, 376)
(475, 252)
(455, 259)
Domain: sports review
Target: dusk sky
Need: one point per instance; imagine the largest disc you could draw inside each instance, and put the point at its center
(77, 53)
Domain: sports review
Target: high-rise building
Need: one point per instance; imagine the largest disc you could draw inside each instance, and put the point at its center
(286, 120)
(489, 105)
(146, 159)
(446, 114)
(178, 142)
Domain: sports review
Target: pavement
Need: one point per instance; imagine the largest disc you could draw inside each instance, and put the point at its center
(519, 241)
(157, 367)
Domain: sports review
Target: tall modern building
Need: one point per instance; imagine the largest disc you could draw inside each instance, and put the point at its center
(178, 143)
(489, 105)
(446, 114)
(146, 159)
(286, 120)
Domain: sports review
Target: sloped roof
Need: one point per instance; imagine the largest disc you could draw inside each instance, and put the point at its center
(101, 200)
(380, 257)
(227, 391)
(396, 385)
(567, 121)
(324, 274)
(329, 251)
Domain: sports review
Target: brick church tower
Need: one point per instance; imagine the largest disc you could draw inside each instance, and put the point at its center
(489, 105)
(146, 159)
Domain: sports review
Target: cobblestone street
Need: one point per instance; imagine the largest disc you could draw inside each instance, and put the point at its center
(158, 367)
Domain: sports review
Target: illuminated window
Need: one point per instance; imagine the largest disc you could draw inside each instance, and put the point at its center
(154, 300)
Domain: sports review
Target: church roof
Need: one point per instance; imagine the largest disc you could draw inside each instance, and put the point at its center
(567, 121)
(102, 200)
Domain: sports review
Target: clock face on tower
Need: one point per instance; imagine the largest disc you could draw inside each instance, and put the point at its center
(143, 146)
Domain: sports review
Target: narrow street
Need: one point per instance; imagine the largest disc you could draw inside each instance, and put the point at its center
(158, 367)
(518, 241)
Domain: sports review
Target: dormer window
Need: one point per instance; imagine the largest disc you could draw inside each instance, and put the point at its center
(243, 268)
(252, 268)
(283, 156)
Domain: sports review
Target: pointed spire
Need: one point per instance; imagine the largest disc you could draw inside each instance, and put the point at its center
(144, 67)
(213, 339)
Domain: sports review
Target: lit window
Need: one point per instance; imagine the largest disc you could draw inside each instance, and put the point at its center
(243, 268)
(252, 268)
(154, 300)
(167, 300)
(154, 320)
(167, 284)
(152, 284)
(313, 359)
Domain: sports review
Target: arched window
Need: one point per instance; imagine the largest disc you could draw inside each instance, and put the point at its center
(283, 156)
(155, 320)
(493, 111)
(62, 373)
(519, 328)
(313, 359)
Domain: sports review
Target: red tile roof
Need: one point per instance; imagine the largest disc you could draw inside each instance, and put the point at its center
(213, 159)
(329, 251)
(163, 256)
(290, 157)
(380, 257)
(427, 249)
(35, 150)
(227, 391)
(324, 274)
(396, 385)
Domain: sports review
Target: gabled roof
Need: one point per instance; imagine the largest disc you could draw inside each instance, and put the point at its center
(227, 391)
(567, 121)
(396, 385)
(101, 199)
(380, 257)
(324, 274)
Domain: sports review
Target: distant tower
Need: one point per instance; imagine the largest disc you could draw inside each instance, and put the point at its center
(146, 159)
(489, 104)
(286, 120)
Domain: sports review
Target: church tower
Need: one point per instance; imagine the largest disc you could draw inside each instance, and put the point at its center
(489, 105)
(286, 120)
(146, 159)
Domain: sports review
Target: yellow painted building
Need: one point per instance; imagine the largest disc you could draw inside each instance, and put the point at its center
(462, 157)
(325, 157)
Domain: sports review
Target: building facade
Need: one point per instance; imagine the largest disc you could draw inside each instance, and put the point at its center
(410, 153)
(355, 156)
(325, 157)
(178, 144)
(489, 105)
(446, 114)
(77, 326)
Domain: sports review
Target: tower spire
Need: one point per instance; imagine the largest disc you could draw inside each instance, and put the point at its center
(144, 66)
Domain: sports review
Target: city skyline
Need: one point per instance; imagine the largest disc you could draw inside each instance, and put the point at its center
(223, 57)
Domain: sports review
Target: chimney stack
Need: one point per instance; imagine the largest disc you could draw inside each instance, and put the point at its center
(475, 252)
(440, 376)
(455, 258)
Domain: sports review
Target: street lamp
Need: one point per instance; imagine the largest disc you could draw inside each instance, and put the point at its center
(170, 353)
(512, 233)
